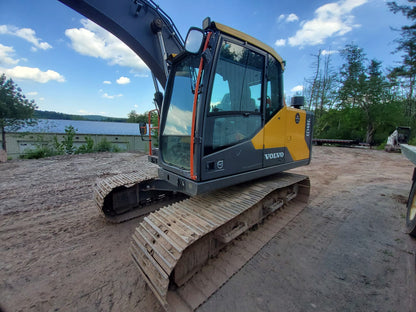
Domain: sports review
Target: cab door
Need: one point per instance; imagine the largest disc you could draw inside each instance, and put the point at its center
(233, 111)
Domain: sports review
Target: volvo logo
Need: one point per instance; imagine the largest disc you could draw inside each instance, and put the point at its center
(274, 155)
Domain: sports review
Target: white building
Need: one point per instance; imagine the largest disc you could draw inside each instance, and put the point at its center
(125, 136)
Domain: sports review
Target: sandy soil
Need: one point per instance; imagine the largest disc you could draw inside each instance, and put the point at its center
(347, 251)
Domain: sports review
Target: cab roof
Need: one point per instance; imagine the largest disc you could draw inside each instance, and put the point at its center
(240, 35)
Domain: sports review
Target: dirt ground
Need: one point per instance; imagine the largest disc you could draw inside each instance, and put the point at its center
(347, 251)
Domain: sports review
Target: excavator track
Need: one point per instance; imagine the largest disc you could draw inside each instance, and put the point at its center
(118, 197)
(107, 190)
(177, 248)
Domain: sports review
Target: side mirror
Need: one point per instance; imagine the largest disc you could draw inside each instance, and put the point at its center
(143, 128)
(194, 40)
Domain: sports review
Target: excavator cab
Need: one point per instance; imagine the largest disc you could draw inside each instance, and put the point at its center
(223, 119)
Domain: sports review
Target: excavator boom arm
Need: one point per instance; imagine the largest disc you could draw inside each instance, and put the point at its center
(140, 24)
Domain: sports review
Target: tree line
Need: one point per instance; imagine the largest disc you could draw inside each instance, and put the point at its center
(39, 114)
(360, 100)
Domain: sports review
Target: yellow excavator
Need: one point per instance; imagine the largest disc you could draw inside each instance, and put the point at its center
(225, 138)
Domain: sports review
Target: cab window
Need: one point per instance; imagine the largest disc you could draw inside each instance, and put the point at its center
(234, 112)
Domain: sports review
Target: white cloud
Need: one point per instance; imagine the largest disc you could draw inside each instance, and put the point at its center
(107, 82)
(123, 80)
(27, 34)
(143, 75)
(280, 42)
(111, 97)
(332, 19)
(92, 40)
(6, 54)
(33, 93)
(329, 52)
(107, 96)
(298, 88)
(35, 74)
(292, 18)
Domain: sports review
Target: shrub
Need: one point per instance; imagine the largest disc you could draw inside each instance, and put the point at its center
(67, 144)
(88, 147)
(105, 146)
(58, 146)
(39, 152)
(68, 141)
(115, 149)
(381, 146)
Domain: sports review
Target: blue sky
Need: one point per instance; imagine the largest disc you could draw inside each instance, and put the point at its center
(68, 64)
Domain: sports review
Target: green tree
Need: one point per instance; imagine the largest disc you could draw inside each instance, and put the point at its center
(376, 100)
(352, 77)
(134, 117)
(365, 108)
(349, 100)
(406, 72)
(15, 110)
(365, 88)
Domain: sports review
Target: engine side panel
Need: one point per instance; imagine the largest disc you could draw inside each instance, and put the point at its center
(289, 129)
